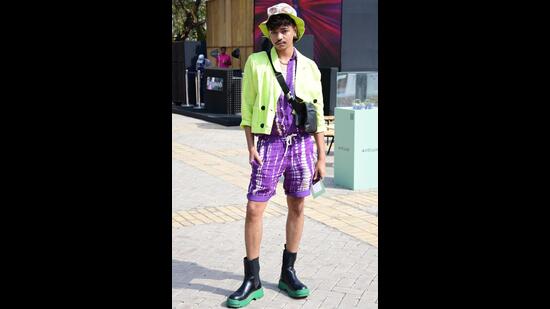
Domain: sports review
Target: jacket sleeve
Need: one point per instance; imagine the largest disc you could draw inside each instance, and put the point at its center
(248, 93)
(318, 91)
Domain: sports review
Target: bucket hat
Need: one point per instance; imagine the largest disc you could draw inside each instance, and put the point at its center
(283, 8)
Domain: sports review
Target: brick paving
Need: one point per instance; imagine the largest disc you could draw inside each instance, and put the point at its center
(338, 256)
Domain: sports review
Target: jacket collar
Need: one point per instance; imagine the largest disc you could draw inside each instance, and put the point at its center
(277, 64)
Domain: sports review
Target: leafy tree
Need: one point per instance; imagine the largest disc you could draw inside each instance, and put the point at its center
(188, 20)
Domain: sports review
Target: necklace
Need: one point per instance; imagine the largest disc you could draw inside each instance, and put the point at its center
(283, 62)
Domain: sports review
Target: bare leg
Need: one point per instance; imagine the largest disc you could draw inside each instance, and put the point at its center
(253, 228)
(294, 222)
(251, 288)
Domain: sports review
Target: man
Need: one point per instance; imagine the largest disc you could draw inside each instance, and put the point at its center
(223, 59)
(283, 149)
(202, 63)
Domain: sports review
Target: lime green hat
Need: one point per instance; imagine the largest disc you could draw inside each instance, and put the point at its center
(283, 8)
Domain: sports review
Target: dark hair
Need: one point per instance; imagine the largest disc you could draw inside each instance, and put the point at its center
(279, 20)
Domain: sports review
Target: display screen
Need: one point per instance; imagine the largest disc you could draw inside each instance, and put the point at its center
(214, 83)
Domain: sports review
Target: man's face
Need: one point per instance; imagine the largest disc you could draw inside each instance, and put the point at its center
(223, 50)
(282, 37)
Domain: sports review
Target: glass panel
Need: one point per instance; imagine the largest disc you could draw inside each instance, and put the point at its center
(356, 87)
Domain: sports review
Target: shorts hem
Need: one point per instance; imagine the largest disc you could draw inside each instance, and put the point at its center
(258, 198)
(299, 194)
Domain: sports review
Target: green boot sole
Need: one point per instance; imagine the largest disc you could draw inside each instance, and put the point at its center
(294, 294)
(232, 303)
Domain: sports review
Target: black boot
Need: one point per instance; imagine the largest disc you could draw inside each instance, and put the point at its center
(251, 287)
(289, 282)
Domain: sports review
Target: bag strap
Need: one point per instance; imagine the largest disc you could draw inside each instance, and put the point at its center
(284, 86)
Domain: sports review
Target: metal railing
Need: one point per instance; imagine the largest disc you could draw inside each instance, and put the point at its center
(196, 75)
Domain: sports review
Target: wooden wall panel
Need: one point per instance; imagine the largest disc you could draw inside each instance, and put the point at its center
(230, 24)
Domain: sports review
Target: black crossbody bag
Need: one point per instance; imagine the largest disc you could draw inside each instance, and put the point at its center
(305, 112)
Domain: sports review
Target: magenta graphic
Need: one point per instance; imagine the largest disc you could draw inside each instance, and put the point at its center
(323, 19)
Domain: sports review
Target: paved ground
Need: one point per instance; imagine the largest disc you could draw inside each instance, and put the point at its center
(338, 256)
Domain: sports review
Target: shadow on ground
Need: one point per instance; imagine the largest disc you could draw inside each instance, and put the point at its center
(216, 126)
(184, 272)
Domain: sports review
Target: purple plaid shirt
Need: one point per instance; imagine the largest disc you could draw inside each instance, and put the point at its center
(283, 123)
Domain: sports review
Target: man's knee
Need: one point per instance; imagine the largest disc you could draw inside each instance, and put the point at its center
(295, 205)
(255, 210)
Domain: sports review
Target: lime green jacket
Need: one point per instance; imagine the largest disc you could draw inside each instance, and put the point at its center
(260, 90)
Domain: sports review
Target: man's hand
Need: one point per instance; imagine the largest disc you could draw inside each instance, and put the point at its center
(254, 156)
(320, 165)
(319, 170)
(252, 152)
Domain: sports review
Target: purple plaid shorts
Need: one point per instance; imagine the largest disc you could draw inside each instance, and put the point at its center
(291, 157)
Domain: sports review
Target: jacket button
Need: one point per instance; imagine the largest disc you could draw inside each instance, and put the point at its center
(314, 100)
(262, 125)
(263, 107)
